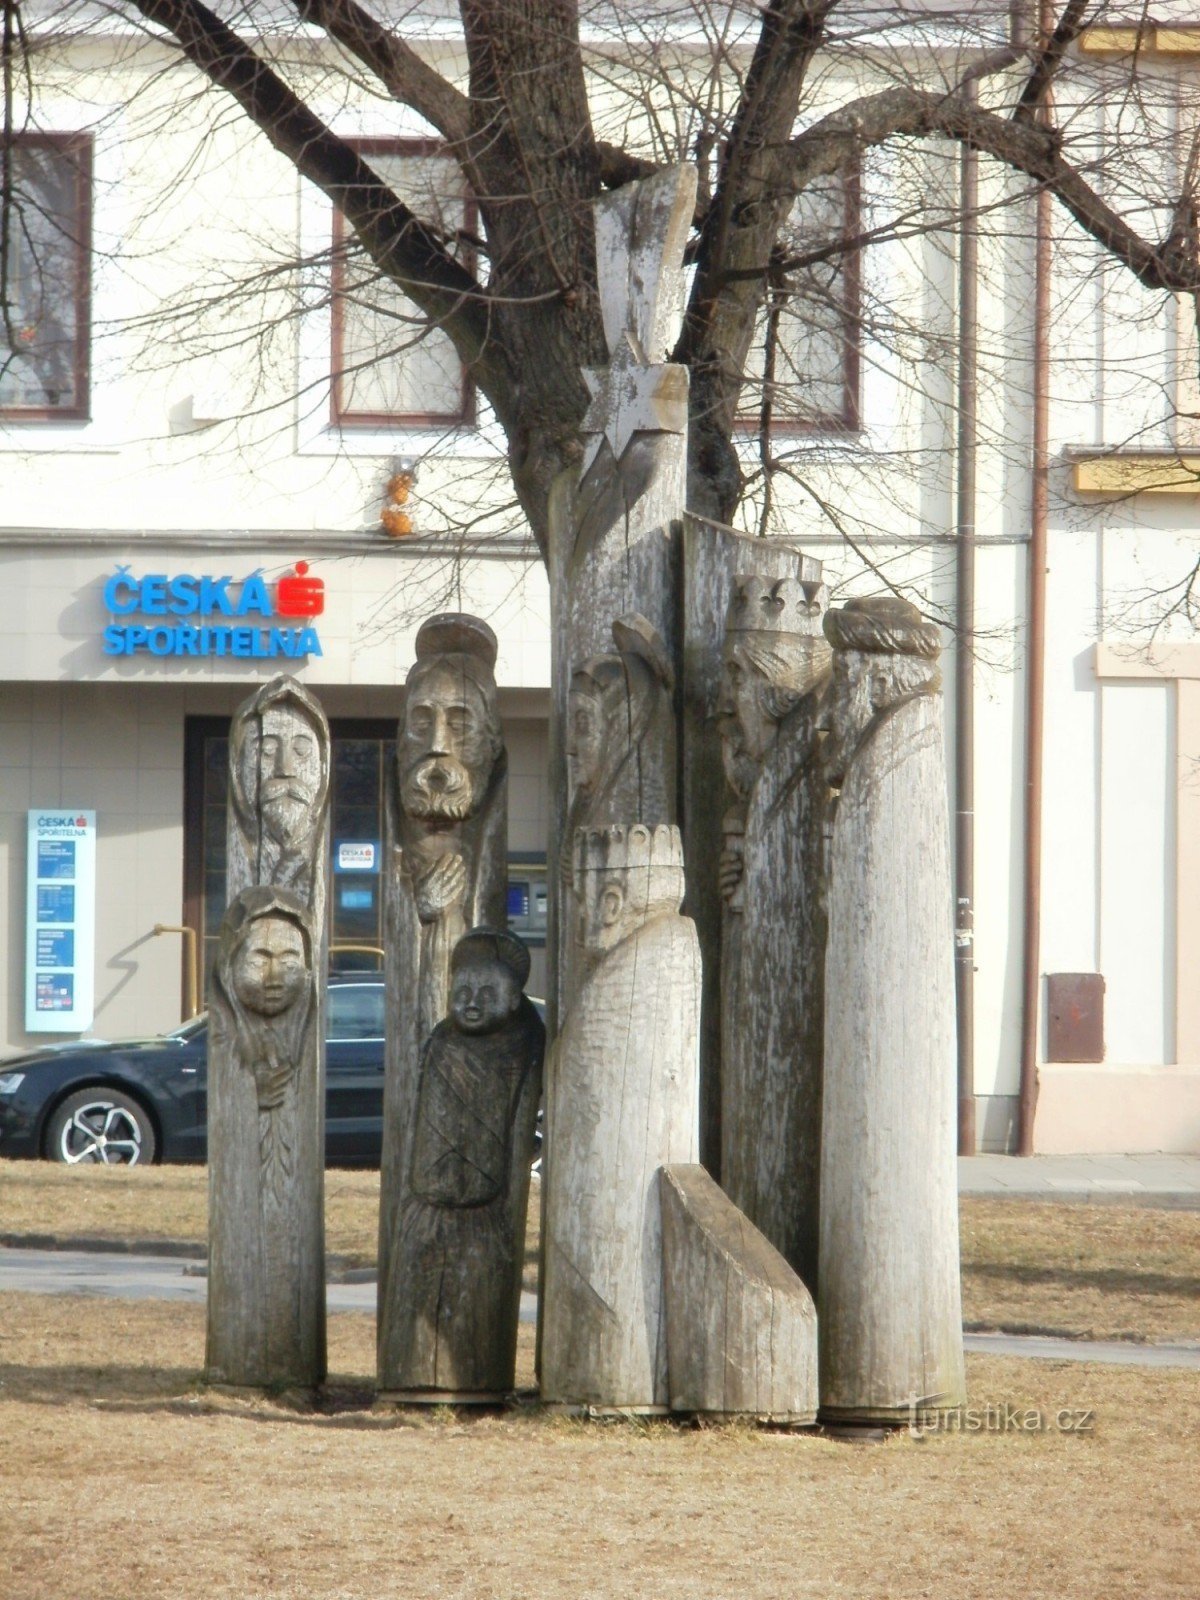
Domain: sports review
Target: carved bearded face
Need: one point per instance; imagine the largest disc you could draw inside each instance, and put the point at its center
(483, 995)
(270, 969)
(289, 773)
(865, 683)
(449, 744)
(763, 676)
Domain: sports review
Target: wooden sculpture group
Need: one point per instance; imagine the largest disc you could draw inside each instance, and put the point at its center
(805, 1009)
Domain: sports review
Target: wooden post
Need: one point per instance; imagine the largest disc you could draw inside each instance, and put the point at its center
(741, 1326)
(889, 1293)
(266, 1094)
(773, 934)
(621, 1103)
(455, 1277)
(446, 870)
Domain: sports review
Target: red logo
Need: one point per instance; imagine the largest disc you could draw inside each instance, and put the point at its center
(81, 822)
(298, 595)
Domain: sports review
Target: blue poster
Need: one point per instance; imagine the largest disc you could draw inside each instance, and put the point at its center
(357, 899)
(55, 947)
(56, 858)
(55, 991)
(55, 902)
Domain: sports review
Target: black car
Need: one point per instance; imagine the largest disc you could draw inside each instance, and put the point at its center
(147, 1100)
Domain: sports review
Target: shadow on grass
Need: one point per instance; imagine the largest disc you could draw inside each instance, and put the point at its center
(1109, 1280)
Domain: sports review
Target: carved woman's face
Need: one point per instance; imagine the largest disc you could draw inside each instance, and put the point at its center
(483, 995)
(270, 971)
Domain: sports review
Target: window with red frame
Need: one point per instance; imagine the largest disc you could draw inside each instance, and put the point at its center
(815, 308)
(45, 246)
(389, 364)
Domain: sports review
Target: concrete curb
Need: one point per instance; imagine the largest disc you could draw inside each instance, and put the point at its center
(338, 1269)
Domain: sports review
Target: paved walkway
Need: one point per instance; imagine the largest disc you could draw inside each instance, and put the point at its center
(131, 1277)
(1172, 1181)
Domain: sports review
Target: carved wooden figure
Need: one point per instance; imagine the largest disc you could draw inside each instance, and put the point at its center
(449, 1327)
(279, 762)
(620, 748)
(266, 1160)
(889, 1292)
(620, 1103)
(773, 938)
(446, 870)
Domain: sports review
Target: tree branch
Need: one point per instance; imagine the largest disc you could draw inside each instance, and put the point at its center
(1070, 26)
(397, 65)
(833, 143)
(400, 244)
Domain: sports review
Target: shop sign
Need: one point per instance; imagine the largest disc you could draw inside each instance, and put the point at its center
(264, 619)
(354, 856)
(60, 921)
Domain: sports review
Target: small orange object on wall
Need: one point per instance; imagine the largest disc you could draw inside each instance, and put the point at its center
(394, 520)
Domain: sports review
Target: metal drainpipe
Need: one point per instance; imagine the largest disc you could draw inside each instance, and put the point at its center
(1036, 659)
(964, 665)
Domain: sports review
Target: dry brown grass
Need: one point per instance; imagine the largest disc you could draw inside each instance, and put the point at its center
(1089, 1271)
(123, 1480)
(1103, 1271)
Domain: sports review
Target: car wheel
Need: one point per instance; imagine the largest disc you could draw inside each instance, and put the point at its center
(101, 1125)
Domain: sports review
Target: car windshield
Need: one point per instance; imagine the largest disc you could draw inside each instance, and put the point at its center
(189, 1029)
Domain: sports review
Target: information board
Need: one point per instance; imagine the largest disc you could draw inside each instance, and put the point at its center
(60, 921)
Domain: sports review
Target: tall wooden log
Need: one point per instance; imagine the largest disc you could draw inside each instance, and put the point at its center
(889, 1295)
(266, 1270)
(614, 546)
(713, 557)
(773, 934)
(621, 1103)
(446, 869)
(266, 1096)
(458, 1252)
(741, 1326)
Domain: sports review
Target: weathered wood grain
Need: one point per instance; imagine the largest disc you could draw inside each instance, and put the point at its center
(266, 1133)
(889, 1293)
(621, 1103)
(741, 1326)
(445, 871)
(458, 1251)
(712, 557)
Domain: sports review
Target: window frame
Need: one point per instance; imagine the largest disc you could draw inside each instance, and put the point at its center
(81, 145)
(340, 416)
(849, 418)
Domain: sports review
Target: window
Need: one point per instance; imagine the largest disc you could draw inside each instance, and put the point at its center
(389, 366)
(814, 383)
(356, 1011)
(45, 247)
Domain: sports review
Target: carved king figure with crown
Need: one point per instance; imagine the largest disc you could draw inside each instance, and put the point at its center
(774, 673)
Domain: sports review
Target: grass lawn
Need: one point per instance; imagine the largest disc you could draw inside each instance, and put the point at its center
(1091, 1271)
(122, 1479)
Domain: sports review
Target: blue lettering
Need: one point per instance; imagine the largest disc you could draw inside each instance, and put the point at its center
(114, 641)
(187, 642)
(154, 594)
(161, 641)
(308, 644)
(135, 639)
(184, 599)
(220, 639)
(242, 641)
(254, 597)
(214, 596)
(281, 642)
(121, 593)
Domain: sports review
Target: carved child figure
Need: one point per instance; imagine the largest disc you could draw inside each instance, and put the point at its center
(450, 1322)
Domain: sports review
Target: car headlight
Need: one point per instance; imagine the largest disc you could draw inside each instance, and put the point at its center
(10, 1082)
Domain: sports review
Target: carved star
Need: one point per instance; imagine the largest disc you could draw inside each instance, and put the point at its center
(630, 397)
